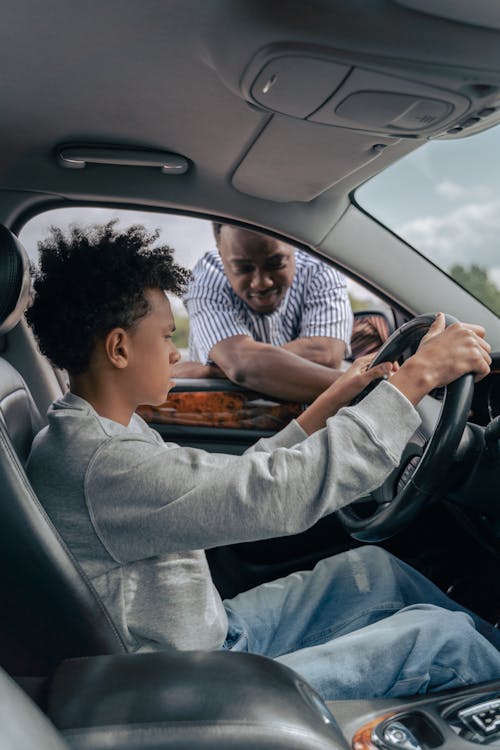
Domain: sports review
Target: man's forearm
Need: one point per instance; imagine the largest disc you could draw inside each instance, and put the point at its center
(280, 373)
(320, 349)
(196, 370)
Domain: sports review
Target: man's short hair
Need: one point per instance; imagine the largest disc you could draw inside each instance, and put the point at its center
(217, 229)
(93, 280)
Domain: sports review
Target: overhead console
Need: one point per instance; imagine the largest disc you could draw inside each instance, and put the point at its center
(349, 96)
(334, 114)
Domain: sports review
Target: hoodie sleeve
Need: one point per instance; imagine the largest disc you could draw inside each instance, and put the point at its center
(147, 499)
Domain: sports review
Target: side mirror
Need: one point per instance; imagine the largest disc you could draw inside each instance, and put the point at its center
(370, 329)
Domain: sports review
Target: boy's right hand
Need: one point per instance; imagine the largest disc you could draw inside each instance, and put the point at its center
(444, 354)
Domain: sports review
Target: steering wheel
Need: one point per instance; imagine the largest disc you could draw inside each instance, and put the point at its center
(424, 467)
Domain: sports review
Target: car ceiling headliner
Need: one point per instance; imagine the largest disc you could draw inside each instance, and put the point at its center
(166, 74)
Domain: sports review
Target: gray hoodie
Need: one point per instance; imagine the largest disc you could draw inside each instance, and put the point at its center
(137, 512)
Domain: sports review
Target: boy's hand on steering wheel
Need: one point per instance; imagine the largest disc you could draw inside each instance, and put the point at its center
(354, 380)
(450, 352)
(349, 385)
(444, 355)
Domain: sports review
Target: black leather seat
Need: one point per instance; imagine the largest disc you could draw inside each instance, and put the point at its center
(49, 610)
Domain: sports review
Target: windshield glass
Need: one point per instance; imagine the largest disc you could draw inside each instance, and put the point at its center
(444, 199)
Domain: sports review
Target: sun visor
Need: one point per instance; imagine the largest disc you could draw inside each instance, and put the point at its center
(294, 160)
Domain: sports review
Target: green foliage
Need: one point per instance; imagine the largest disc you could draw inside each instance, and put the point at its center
(475, 280)
(359, 304)
(181, 333)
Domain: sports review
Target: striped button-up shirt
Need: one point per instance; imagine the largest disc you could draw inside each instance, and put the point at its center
(316, 304)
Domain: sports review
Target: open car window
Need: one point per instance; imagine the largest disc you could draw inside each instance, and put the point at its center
(449, 209)
(198, 408)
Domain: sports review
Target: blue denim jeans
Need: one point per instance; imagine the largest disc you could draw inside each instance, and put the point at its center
(363, 624)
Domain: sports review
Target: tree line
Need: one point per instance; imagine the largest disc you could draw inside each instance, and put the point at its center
(476, 280)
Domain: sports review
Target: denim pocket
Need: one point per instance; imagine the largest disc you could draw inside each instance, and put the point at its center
(237, 637)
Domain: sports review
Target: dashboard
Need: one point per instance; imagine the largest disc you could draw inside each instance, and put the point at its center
(486, 402)
(477, 467)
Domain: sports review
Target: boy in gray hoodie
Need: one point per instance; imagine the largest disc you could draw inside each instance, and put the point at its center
(137, 512)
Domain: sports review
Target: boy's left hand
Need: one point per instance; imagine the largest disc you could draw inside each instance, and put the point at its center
(355, 379)
(342, 392)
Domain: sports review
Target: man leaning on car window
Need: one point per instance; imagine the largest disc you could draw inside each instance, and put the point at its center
(259, 308)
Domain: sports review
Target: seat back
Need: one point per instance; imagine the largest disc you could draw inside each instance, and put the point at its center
(50, 611)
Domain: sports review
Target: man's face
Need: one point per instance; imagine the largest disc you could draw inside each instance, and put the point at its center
(260, 269)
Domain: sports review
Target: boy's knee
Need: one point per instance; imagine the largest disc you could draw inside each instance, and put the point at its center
(368, 559)
(372, 555)
(458, 628)
(442, 625)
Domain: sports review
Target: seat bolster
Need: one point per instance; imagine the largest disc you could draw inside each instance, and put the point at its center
(18, 411)
(50, 610)
(23, 724)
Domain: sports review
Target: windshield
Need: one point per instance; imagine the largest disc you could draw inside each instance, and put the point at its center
(444, 199)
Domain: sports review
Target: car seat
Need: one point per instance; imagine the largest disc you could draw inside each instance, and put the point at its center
(50, 612)
(22, 725)
(49, 609)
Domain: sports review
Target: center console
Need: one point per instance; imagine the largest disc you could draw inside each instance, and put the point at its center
(465, 718)
(190, 700)
(201, 700)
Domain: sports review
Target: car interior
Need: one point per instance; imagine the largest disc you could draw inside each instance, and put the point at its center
(272, 117)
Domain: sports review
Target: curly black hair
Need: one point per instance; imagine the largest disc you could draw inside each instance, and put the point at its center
(92, 281)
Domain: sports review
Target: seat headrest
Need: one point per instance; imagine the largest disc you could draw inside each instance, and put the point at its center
(14, 280)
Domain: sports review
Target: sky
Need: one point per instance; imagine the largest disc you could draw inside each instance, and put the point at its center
(445, 200)
(189, 237)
